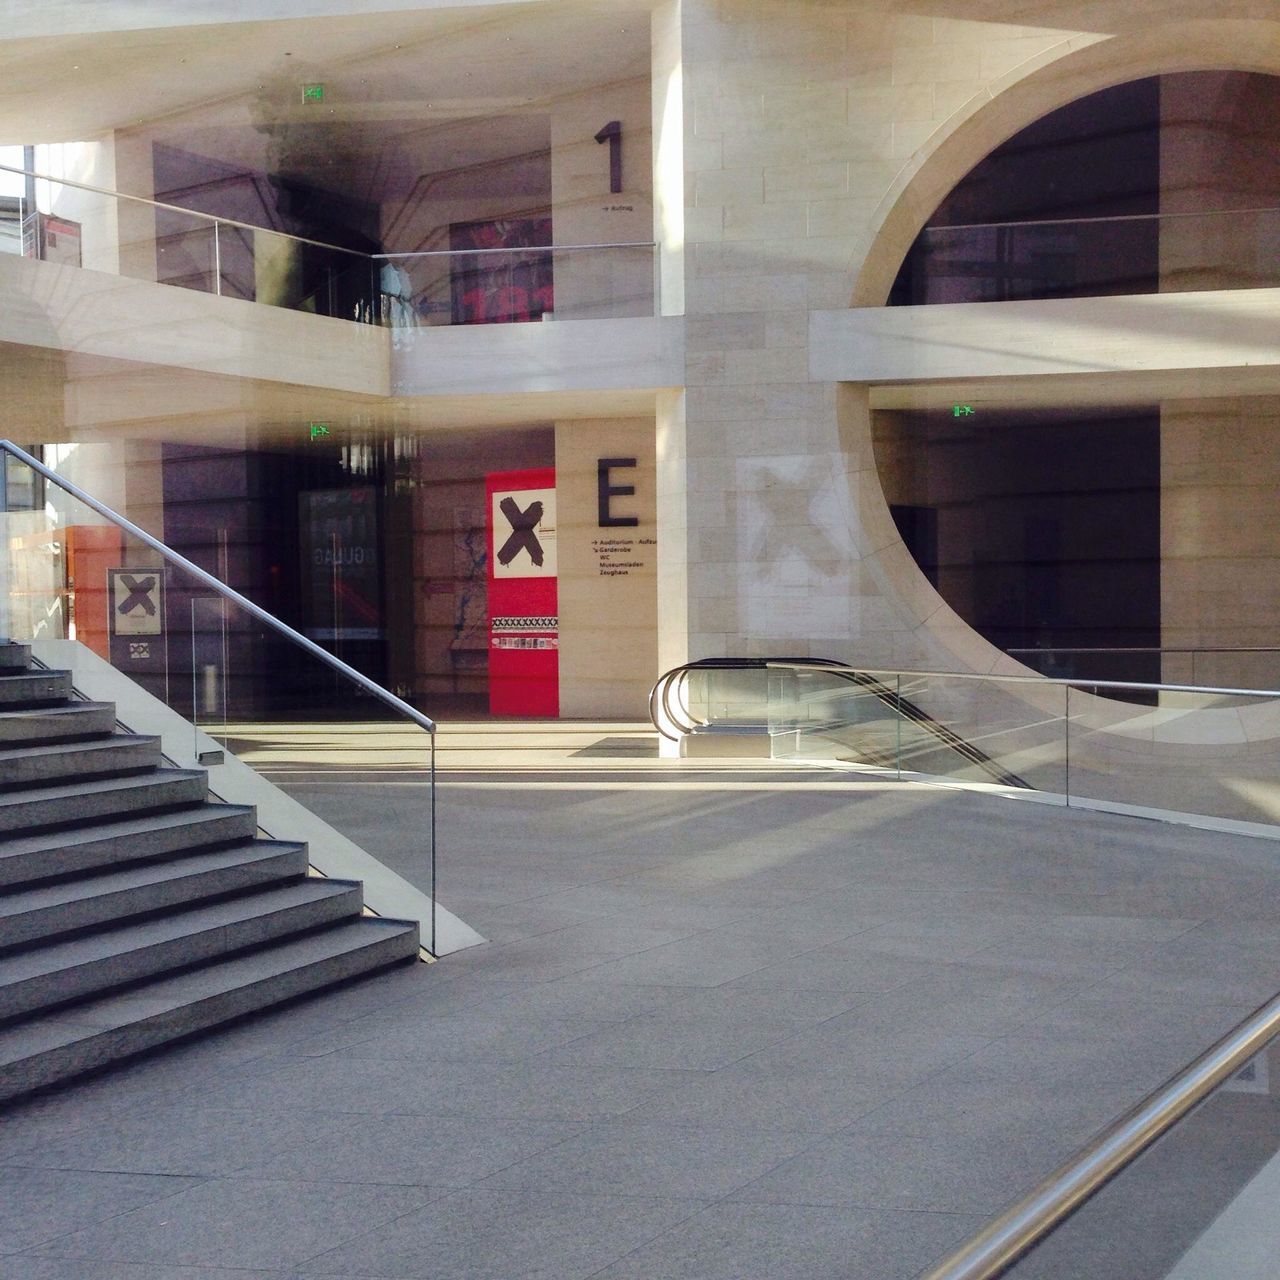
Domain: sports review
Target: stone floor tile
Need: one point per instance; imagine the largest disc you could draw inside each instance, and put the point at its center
(38, 1205)
(242, 1222)
(765, 1242)
(624, 1158)
(539, 1234)
(427, 1151)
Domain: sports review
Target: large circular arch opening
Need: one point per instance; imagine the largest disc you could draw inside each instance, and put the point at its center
(1060, 527)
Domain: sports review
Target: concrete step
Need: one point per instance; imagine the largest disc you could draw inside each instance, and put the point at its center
(14, 657)
(48, 765)
(34, 688)
(72, 970)
(47, 912)
(53, 1048)
(25, 859)
(37, 808)
(54, 724)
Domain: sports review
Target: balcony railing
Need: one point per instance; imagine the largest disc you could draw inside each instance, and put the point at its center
(1092, 257)
(149, 240)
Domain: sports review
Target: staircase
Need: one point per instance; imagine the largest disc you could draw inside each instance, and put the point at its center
(134, 911)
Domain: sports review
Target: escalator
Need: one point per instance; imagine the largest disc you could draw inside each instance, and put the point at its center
(822, 709)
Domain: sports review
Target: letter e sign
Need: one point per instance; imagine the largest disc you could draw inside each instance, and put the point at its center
(606, 491)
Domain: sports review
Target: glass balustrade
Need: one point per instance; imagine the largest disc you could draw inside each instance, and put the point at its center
(82, 226)
(1210, 751)
(1198, 1204)
(222, 685)
(1092, 257)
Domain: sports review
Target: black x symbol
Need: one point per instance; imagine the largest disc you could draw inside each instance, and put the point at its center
(139, 594)
(522, 525)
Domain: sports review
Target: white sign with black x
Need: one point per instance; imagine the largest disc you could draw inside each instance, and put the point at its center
(135, 602)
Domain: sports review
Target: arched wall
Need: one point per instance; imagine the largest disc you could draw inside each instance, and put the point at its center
(1077, 66)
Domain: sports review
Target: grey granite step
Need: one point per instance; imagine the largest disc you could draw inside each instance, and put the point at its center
(71, 970)
(74, 720)
(49, 764)
(44, 913)
(35, 808)
(14, 657)
(34, 688)
(44, 1051)
(28, 858)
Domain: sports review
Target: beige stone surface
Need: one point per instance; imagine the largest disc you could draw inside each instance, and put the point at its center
(607, 577)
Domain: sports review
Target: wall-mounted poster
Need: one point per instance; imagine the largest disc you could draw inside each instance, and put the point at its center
(341, 572)
(501, 287)
(59, 240)
(524, 627)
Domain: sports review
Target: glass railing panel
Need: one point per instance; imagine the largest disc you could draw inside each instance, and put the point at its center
(1093, 257)
(834, 716)
(278, 270)
(1199, 1204)
(989, 730)
(513, 286)
(727, 699)
(1233, 667)
(1191, 752)
(235, 683)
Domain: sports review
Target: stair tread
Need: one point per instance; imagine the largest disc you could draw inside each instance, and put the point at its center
(197, 815)
(109, 742)
(44, 1032)
(70, 710)
(91, 886)
(123, 939)
(96, 786)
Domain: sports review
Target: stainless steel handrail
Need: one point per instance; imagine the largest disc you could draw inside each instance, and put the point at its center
(258, 612)
(1110, 217)
(1008, 1237)
(1148, 648)
(177, 208)
(1075, 682)
(523, 248)
(217, 219)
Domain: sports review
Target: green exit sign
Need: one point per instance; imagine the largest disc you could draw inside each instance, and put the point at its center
(313, 93)
(962, 410)
(318, 430)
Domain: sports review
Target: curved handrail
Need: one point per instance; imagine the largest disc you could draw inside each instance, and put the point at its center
(1008, 1237)
(255, 611)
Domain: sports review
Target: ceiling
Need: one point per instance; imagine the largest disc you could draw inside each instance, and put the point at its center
(480, 60)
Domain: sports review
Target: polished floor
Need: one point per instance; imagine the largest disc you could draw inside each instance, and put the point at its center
(730, 1024)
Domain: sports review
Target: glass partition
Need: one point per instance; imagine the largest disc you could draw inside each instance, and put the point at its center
(506, 286)
(1092, 257)
(88, 595)
(1198, 1204)
(1147, 747)
(83, 226)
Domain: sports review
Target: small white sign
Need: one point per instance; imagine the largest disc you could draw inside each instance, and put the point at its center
(136, 602)
(524, 533)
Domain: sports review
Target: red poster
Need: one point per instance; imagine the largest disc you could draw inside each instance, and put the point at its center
(524, 627)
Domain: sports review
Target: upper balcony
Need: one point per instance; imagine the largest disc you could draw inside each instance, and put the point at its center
(1148, 305)
(126, 278)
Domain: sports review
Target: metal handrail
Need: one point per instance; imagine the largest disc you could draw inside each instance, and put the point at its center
(1148, 648)
(518, 248)
(217, 219)
(177, 208)
(1008, 1237)
(1075, 682)
(255, 611)
(1110, 217)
